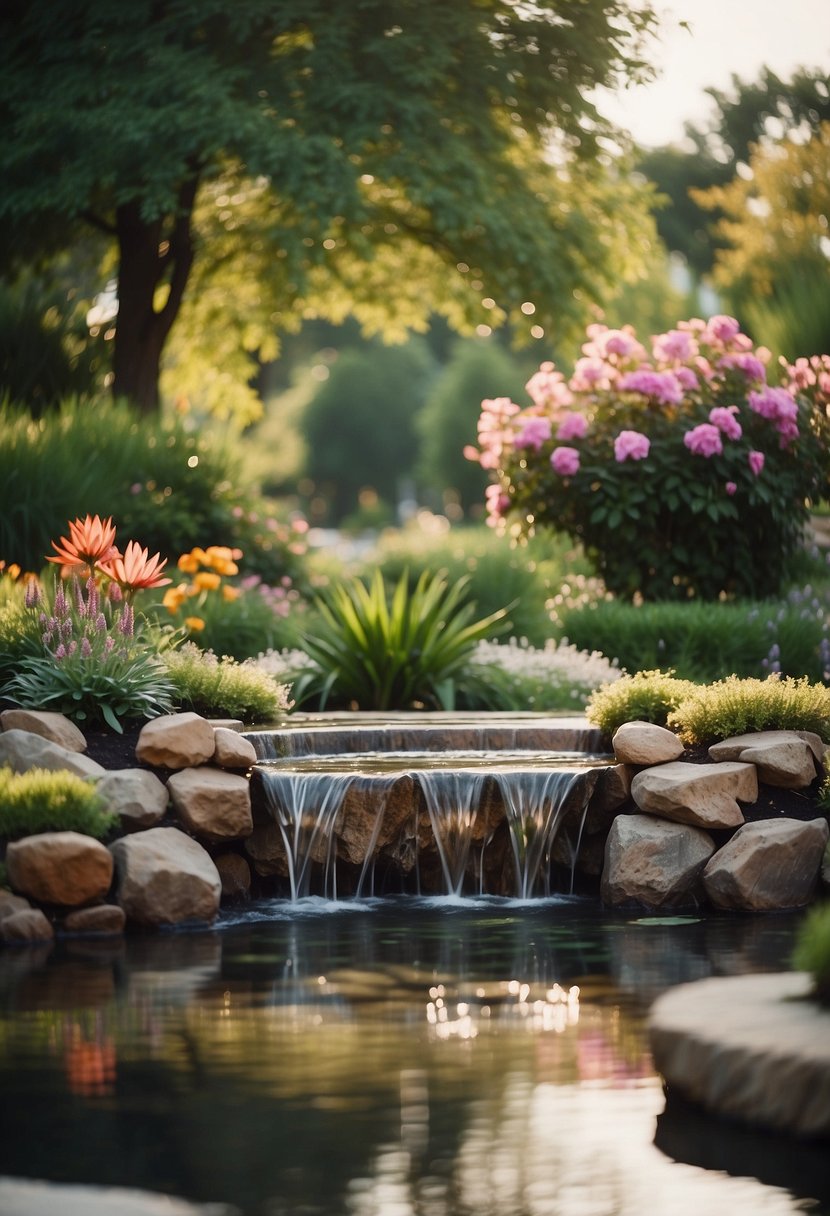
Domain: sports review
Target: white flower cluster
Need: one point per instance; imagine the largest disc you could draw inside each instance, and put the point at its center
(546, 672)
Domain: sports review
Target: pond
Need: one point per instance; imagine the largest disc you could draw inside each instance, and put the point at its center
(387, 1057)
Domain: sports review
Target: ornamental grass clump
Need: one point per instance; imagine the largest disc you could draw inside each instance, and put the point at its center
(398, 648)
(93, 659)
(42, 801)
(734, 706)
(222, 687)
(680, 466)
(645, 696)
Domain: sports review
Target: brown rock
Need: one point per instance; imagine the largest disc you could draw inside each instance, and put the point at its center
(59, 868)
(770, 864)
(232, 750)
(22, 750)
(165, 878)
(645, 743)
(653, 862)
(212, 804)
(176, 741)
(101, 919)
(611, 792)
(235, 874)
(9, 904)
(704, 795)
(266, 850)
(29, 925)
(56, 727)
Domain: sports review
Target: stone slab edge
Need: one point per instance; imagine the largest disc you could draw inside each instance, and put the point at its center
(749, 1047)
(28, 1197)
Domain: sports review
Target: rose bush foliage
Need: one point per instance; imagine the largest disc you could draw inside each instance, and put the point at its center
(682, 468)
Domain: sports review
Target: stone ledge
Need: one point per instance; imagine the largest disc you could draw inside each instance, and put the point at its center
(26, 1197)
(749, 1047)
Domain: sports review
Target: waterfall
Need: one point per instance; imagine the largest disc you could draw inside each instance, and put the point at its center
(453, 799)
(534, 802)
(305, 807)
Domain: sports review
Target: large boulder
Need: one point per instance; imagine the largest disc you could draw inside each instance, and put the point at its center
(773, 863)
(788, 759)
(59, 868)
(212, 804)
(645, 743)
(652, 862)
(21, 750)
(176, 741)
(703, 795)
(49, 725)
(136, 796)
(30, 925)
(165, 878)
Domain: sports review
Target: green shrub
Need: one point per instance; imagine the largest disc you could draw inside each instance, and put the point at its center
(706, 642)
(165, 486)
(404, 649)
(19, 628)
(736, 707)
(42, 801)
(812, 950)
(223, 688)
(646, 696)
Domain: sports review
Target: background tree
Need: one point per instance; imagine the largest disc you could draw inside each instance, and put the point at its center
(774, 264)
(359, 430)
(331, 135)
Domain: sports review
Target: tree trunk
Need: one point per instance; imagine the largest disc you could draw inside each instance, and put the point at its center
(151, 254)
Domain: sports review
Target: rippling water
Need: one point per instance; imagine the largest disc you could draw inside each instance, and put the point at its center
(387, 1058)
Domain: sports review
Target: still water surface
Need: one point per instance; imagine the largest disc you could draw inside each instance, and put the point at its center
(387, 1058)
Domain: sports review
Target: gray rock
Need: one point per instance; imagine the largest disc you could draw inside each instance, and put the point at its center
(786, 758)
(22, 750)
(9, 904)
(102, 919)
(165, 878)
(750, 1047)
(232, 750)
(136, 796)
(773, 863)
(49, 725)
(653, 862)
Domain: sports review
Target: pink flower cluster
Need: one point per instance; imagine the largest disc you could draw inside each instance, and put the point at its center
(631, 445)
(780, 407)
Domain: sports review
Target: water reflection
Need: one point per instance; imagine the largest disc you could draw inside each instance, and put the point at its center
(397, 1059)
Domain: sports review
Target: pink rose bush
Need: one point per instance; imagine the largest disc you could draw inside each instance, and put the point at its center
(686, 465)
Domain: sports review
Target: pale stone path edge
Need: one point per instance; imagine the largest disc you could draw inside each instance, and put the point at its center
(26, 1197)
(754, 1048)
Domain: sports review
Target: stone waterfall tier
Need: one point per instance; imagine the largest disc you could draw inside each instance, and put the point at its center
(360, 732)
(449, 824)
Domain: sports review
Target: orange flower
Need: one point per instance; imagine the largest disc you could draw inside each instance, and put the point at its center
(136, 570)
(206, 580)
(194, 623)
(174, 597)
(91, 541)
(188, 563)
(229, 594)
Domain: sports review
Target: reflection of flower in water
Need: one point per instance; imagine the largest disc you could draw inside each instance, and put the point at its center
(89, 1065)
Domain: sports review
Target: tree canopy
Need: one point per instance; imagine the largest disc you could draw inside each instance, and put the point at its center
(248, 165)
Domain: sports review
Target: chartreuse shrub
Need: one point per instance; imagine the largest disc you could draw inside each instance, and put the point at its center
(221, 687)
(403, 647)
(736, 707)
(812, 950)
(42, 801)
(679, 466)
(646, 696)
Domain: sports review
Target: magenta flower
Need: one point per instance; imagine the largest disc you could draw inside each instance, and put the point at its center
(677, 345)
(756, 461)
(721, 329)
(572, 426)
(742, 361)
(535, 431)
(631, 445)
(565, 461)
(704, 440)
(730, 488)
(662, 386)
(723, 417)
